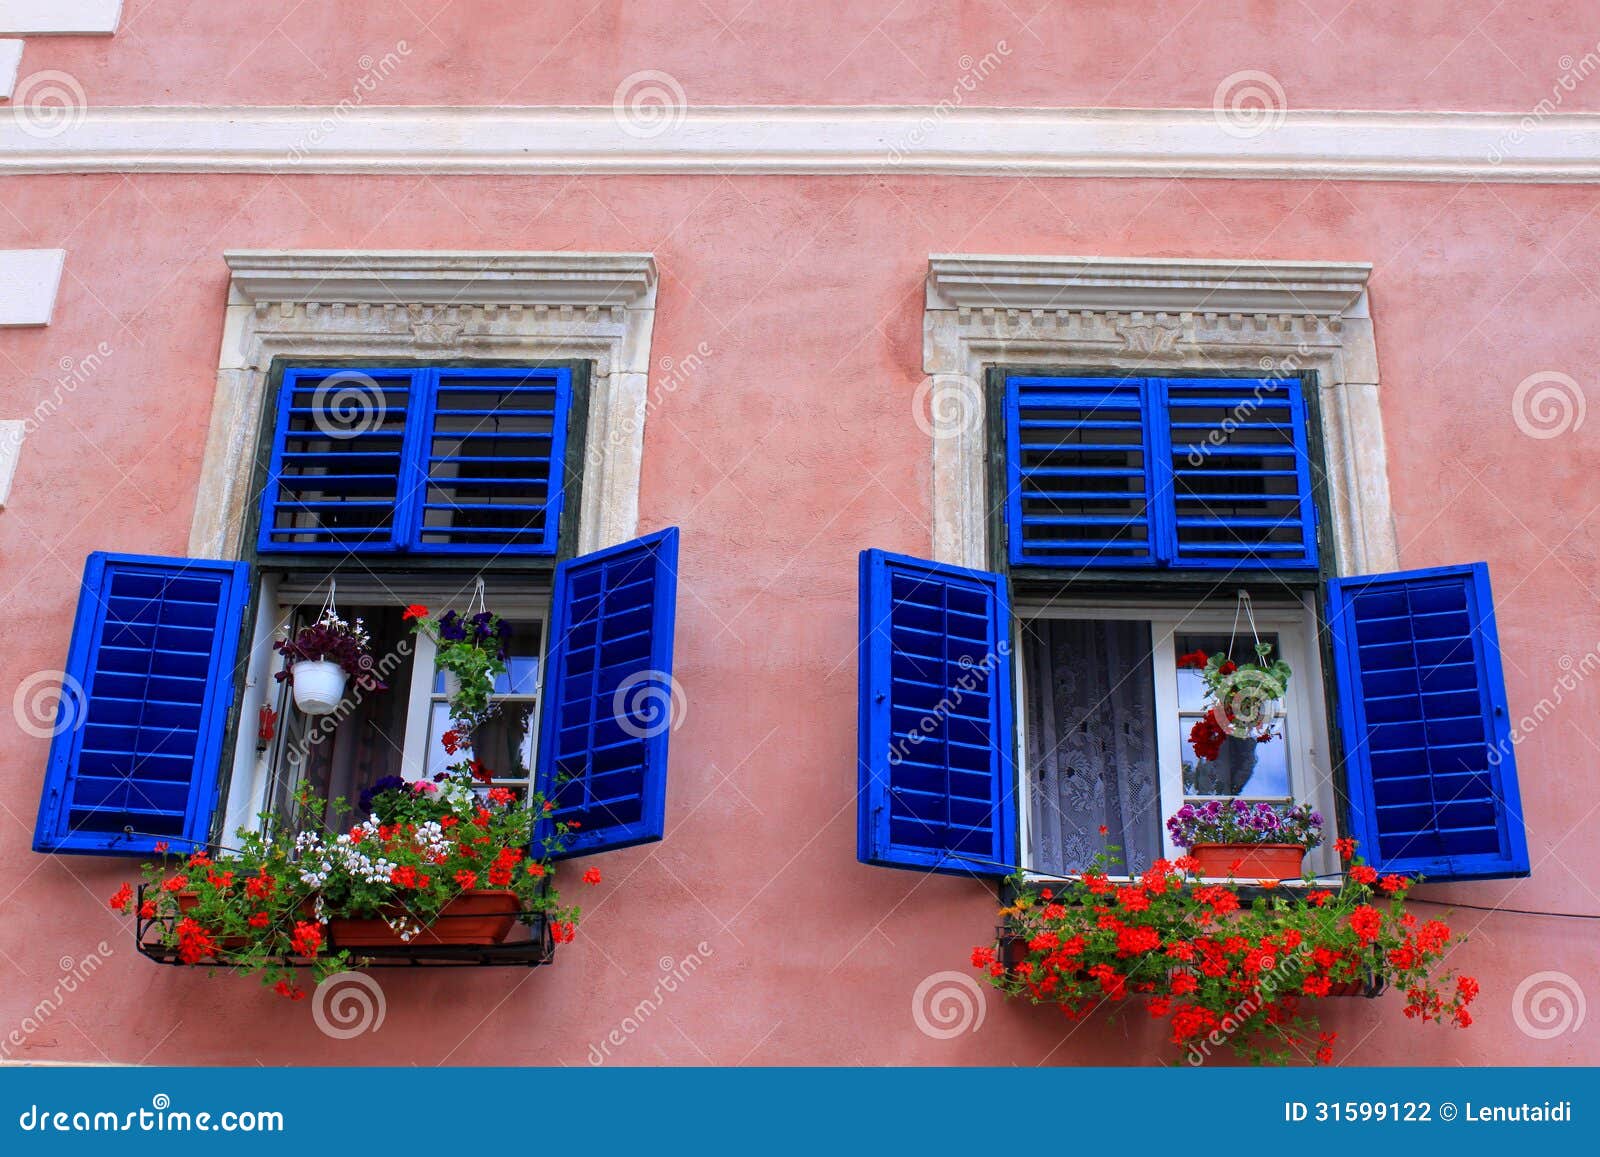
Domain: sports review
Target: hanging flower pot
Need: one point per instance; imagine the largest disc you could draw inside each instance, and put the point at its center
(321, 659)
(318, 685)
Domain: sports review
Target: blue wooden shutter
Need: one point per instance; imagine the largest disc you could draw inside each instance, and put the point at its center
(607, 705)
(148, 683)
(1428, 754)
(1237, 473)
(339, 456)
(1210, 473)
(1079, 478)
(492, 461)
(937, 783)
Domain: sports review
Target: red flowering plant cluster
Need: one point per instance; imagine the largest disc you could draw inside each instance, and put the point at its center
(268, 905)
(1217, 970)
(1239, 698)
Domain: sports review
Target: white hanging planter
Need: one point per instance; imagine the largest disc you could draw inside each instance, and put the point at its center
(318, 686)
(452, 684)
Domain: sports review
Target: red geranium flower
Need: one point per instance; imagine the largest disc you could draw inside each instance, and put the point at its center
(414, 611)
(1362, 874)
(592, 876)
(119, 902)
(306, 938)
(1346, 847)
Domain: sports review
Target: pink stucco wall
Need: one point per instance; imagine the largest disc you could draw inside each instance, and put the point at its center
(791, 449)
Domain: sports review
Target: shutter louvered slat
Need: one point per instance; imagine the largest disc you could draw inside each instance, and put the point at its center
(149, 679)
(494, 461)
(608, 708)
(937, 780)
(1429, 760)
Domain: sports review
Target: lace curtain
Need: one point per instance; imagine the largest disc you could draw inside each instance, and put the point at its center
(1091, 743)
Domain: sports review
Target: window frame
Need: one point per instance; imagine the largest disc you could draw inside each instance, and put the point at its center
(1166, 587)
(274, 565)
(1311, 767)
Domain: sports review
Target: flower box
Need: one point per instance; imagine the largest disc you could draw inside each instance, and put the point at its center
(481, 916)
(1250, 861)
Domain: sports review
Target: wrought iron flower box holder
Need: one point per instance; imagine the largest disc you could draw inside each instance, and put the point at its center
(534, 948)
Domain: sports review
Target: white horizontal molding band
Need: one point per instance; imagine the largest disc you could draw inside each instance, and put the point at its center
(60, 17)
(1411, 146)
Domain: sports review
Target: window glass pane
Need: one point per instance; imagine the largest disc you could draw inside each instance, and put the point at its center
(1243, 767)
(505, 741)
(343, 753)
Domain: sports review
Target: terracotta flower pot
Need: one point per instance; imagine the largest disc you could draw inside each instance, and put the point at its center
(1254, 861)
(482, 916)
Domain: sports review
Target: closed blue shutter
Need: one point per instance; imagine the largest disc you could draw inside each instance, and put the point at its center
(339, 455)
(1429, 761)
(417, 460)
(1080, 480)
(609, 697)
(145, 697)
(493, 460)
(1208, 473)
(1240, 474)
(937, 778)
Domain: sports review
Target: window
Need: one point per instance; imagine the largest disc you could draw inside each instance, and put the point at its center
(465, 464)
(1201, 473)
(1107, 713)
(427, 460)
(1111, 488)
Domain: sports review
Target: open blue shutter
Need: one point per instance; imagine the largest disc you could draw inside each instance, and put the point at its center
(1428, 754)
(339, 454)
(609, 696)
(491, 461)
(1079, 466)
(145, 697)
(937, 783)
(1240, 475)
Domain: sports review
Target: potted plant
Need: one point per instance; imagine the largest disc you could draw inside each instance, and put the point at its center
(1240, 699)
(319, 659)
(1215, 971)
(471, 651)
(1253, 841)
(447, 860)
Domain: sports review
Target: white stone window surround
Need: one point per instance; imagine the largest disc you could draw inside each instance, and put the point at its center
(387, 305)
(1155, 315)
